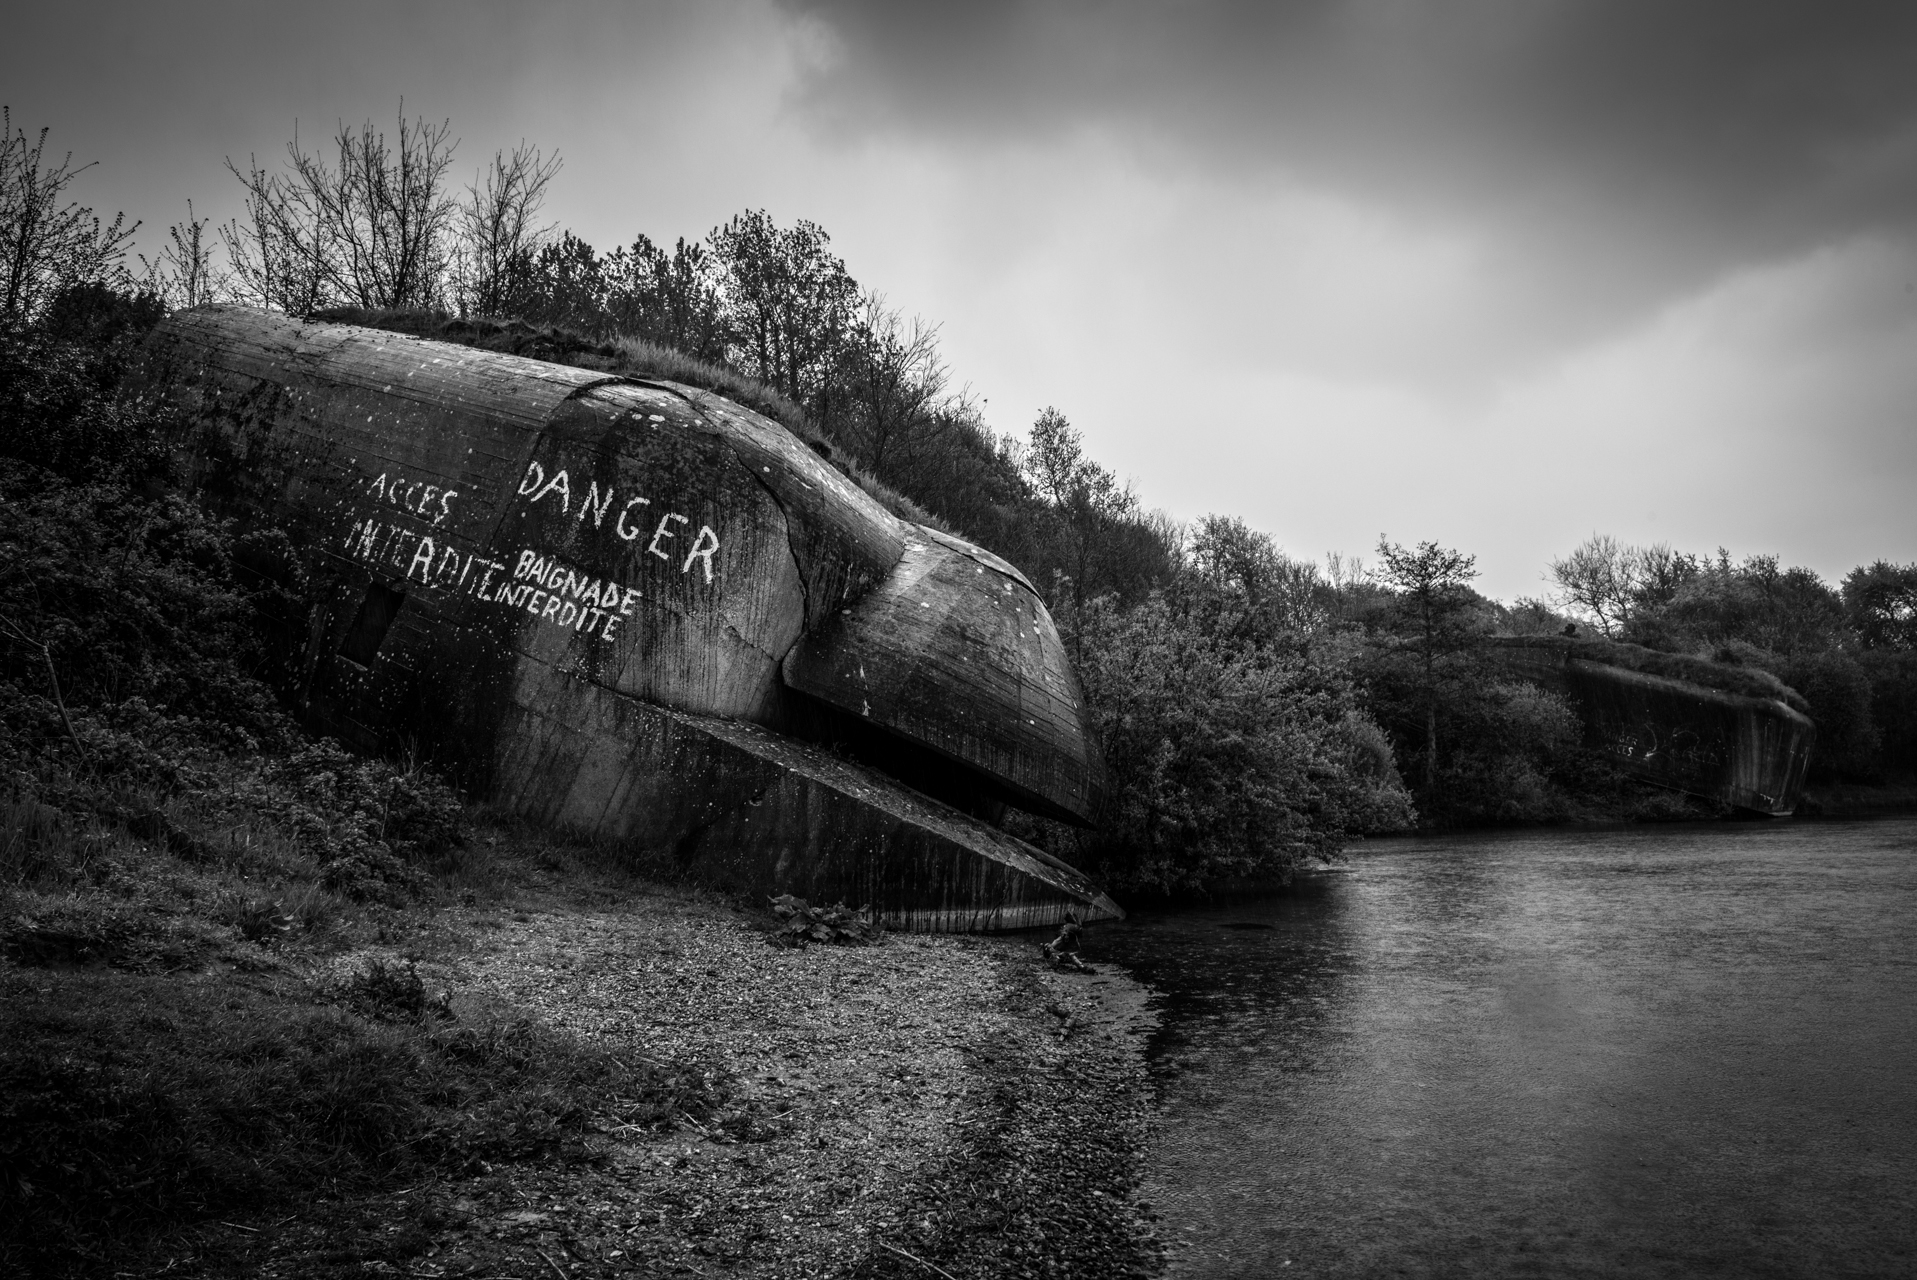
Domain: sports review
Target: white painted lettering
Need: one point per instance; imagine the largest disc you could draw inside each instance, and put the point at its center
(625, 605)
(422, 560)
(445, 504)
(612, 624)
(599, 511)
(567, 612)
(535, 476)
(553, 605)
(620, 525)
(662, 531)
(526, 558)
(702, 548)
(564, 486)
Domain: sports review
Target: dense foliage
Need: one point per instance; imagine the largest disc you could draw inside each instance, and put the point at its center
(1234, 758)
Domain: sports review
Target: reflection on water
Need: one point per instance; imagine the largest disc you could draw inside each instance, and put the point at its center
(1645, 1052)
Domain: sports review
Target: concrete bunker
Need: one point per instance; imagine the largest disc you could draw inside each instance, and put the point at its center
(639, 611)
(1731, 740)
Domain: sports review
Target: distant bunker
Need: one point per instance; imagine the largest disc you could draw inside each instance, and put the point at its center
(1711, 730)
(637, 611)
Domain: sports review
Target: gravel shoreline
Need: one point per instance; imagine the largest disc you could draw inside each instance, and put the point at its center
(930, 1105)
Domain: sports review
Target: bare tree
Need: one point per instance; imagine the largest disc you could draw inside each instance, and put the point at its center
(48, 242)
(278, 255)
(1659, 572)
(184, 274)
(371, 230)
(1345, 572)
(497, 231)
(896, 383)
(1598, 581)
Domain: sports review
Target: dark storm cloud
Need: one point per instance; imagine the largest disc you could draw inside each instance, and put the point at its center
(1689, 134)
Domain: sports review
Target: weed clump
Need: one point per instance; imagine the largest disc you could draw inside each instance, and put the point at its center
(371, 827)
(382, 992)
(840, 925)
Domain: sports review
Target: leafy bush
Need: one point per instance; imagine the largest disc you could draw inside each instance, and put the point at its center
(139, 607)
(1226, 762)
(1516, 750)
(368, 823)
(1837, 696)
(60, 401)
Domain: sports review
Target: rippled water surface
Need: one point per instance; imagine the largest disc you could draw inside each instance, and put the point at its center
(1646, 1052)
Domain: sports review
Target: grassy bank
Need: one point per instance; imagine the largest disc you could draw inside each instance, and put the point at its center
(215, 1064)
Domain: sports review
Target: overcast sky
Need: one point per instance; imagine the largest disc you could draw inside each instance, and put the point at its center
(1496, 274)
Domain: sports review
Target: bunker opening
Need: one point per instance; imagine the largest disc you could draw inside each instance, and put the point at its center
(377, 609)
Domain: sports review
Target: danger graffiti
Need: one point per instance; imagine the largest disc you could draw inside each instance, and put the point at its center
(631, 521)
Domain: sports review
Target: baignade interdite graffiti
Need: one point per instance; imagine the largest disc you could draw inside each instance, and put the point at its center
(641, 612)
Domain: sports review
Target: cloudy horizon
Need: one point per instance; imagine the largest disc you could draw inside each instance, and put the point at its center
(1499, 275)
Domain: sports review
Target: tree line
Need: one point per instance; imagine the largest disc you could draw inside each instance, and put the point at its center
(1256, 710)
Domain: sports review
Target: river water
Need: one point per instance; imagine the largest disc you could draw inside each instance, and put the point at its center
(1655, 1051)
